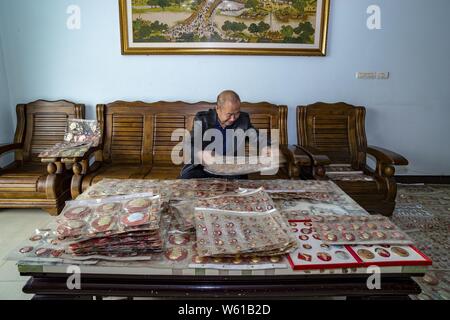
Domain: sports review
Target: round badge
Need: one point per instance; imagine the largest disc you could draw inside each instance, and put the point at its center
(325, 246)
(397, 235)
(36, 237)
(77, 213)
(26, 249)
(304, 256)
(70, 228)
(237, 260)
(400, 251)
(294, 230)
(330, 237)
(316, 236)
(57, 253)
(342, 255)
(43, 252)
(134, 219)
(136, 205)
(275, 259)
(379, 235)
(382, 252)
(308, 224)
(366, 254)
(107, 208)
(103, 224)
(179, 239)
(349, 236)
(364, 236)
(303, 237)
(323, 256)
(307, 246)
(198, 259)
(371, 226)
(306, 230)
(255, 259)
(176, 253)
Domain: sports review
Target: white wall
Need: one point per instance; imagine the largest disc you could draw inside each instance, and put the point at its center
(407, 113)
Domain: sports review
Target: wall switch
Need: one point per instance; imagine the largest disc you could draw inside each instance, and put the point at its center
(383, 75)
(366, 75)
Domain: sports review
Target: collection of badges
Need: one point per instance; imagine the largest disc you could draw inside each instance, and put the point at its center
(222, 223)
(79, 137)
(314, 253)
(373, 229)
(119, 226)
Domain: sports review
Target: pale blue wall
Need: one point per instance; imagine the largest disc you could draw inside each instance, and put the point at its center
(407, 113)
(6, 126)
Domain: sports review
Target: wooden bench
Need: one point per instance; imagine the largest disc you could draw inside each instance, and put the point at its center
(136, 140)
(27, 182)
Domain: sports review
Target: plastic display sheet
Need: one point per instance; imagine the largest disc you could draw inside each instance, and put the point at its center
(122, 226)
(223, 233)
(115, 187)
(83, 131)
(244, 200)
(196, 188)
(374, 229)
(233, 166)
(80, 136)
(313, 253)
(66, 150)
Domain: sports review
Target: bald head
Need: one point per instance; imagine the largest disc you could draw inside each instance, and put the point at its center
(228, 96)
(228, 107)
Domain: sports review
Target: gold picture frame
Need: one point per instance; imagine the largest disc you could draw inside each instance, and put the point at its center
(231, 27)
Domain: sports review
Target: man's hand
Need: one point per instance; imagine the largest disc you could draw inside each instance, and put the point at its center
(266, 151)
(207, 158)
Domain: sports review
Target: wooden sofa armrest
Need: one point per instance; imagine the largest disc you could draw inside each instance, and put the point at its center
(317, 158)
(4, 148)
(387, 156)
(386, 160)
(295, 155)
(295, 159)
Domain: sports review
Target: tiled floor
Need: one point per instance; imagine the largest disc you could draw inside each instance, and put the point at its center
(14, 226)
(422, 210)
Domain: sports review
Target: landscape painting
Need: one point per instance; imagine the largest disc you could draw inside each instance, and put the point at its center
(271, 27)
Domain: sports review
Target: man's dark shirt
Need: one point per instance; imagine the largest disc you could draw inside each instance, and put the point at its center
(209, 119)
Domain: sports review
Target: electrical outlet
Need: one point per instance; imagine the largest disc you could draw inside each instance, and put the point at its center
(383, 75)
(366, 75)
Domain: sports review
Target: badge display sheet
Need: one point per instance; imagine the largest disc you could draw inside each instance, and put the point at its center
(390, 255)
(80, 136)
(313, 253)
(83, 131)
(115, 187)
(374, 229)
(227, 233)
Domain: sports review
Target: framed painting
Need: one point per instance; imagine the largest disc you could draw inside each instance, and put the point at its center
(253, 27)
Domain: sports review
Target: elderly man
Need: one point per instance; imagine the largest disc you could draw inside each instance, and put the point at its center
(226, 116)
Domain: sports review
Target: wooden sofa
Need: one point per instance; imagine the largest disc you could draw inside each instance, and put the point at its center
(334, 136)
(136, 140)
(27, 182)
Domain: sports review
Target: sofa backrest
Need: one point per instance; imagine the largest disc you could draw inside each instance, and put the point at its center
(140, 133)
(41, 124)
